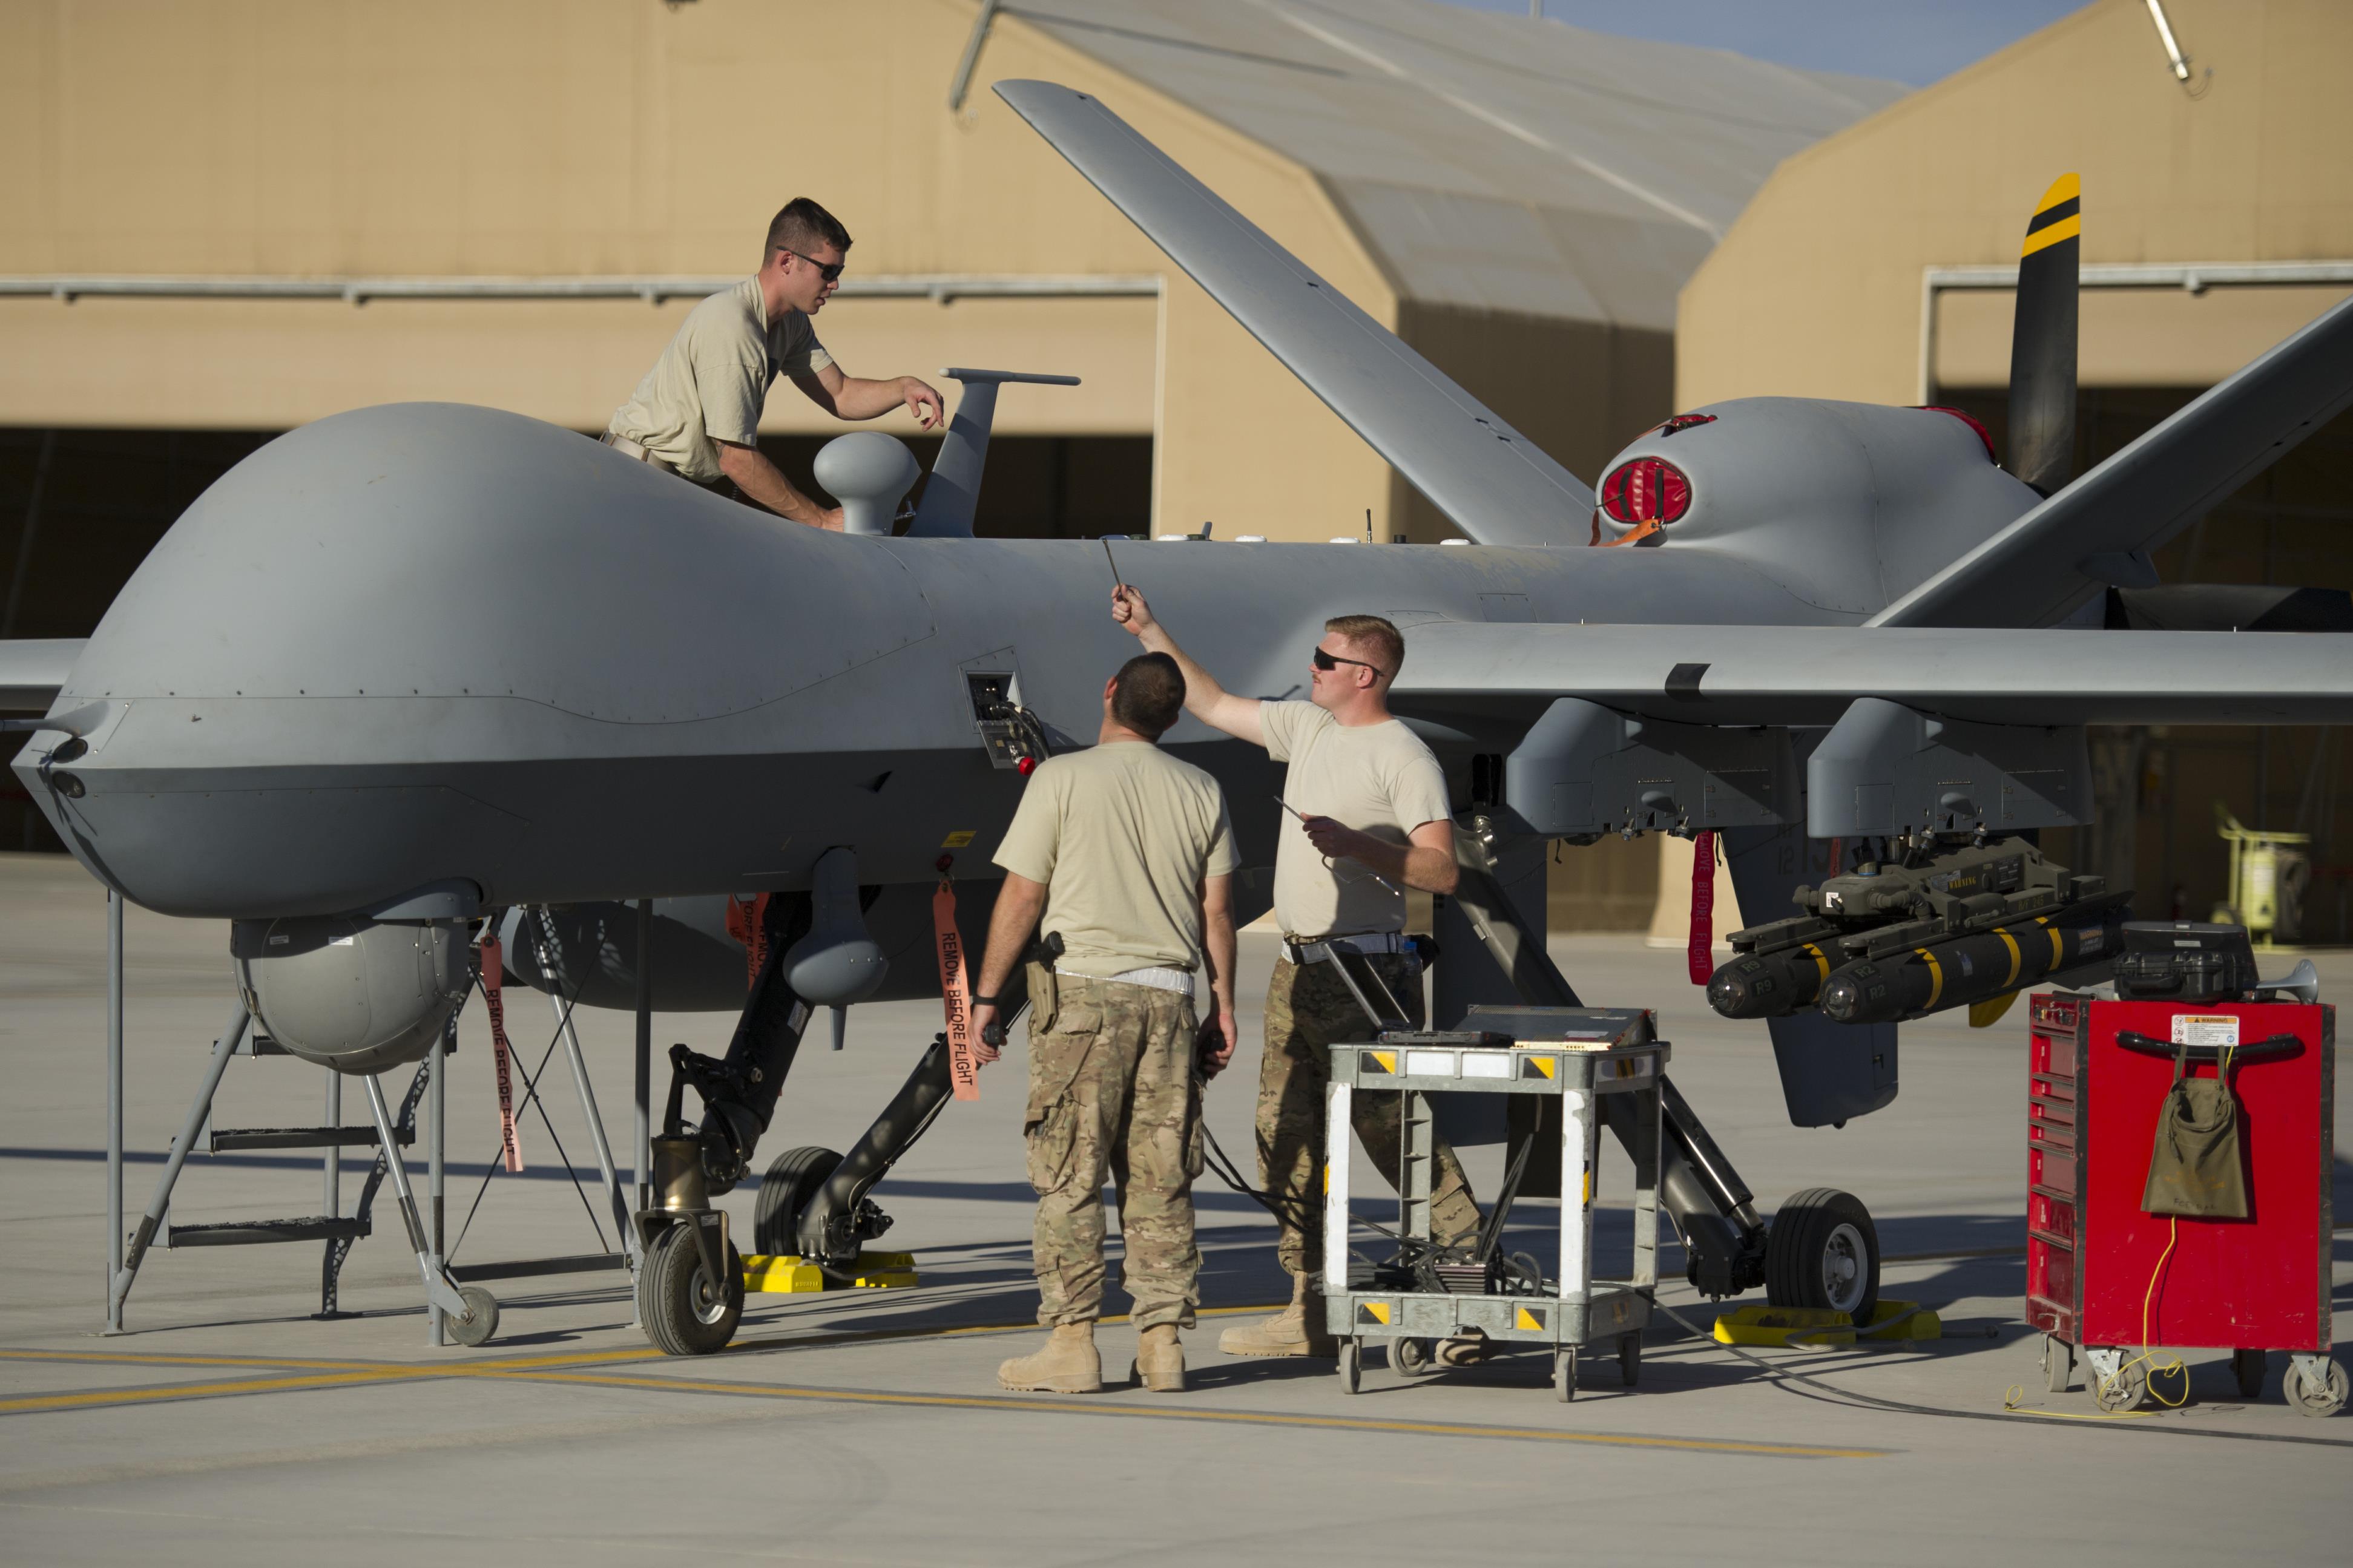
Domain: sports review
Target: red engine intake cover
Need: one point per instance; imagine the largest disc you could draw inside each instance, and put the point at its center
(1647, 489)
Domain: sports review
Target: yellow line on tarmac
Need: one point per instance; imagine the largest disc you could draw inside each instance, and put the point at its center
(132, 1358)
(1229, 1417)
(99, 1397)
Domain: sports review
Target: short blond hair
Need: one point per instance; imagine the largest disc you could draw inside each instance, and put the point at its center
(1375, 635)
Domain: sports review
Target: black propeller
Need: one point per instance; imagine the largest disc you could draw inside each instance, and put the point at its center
(2043, 342)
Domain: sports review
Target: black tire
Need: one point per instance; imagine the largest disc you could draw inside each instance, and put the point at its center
(2247, 1366)
(1823, 1251)
(1563, 1373)
(2308, 1398)
(1351, 1374)
(1630, 1358)
(481, 1318)
(682, 1313)
(1413, 1357)
(794, 1178)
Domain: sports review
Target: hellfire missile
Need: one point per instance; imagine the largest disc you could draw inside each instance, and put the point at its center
(1901, 941)
(1916, 982)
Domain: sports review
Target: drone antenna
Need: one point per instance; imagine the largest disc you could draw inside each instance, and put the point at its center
(1369, 525)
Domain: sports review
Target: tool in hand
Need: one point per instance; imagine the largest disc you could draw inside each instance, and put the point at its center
(1376, 875)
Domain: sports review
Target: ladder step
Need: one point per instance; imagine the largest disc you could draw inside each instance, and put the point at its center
(255, 1232)
(225, 1138)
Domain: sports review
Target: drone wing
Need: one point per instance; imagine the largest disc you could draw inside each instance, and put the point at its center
(1495, 484)
(2100, 530)
(1811, 675)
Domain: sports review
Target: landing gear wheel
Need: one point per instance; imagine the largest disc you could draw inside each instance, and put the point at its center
(2058, 1362)
(1351, 1369)
(481, 1318)
(1630, 1358)
(2311, 1397)
(2247, 1366)
(1564, 1373)
(1823, 1251)
(794, 1178)
(2123, 1391)
(684, 1312)
(1413, 1358)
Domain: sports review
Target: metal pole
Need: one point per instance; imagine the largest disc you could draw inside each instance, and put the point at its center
(596, 1128)
(436, 1144)
(113, 1108)
(645, 1063)
(223, 1048)
(332, 1194)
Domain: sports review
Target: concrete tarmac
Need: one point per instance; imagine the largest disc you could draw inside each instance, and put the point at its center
(229, 1425)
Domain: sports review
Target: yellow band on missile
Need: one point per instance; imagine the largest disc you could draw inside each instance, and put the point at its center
(2044, 238)
(1935, 978)
(1821, 962)
(2017, 959)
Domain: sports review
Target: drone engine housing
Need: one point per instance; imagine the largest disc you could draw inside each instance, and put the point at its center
(350, 994)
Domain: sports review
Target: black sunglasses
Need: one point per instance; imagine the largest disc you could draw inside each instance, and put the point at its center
(831, 274)
(1329, 662)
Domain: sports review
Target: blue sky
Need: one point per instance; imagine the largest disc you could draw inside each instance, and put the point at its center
(1914, 41)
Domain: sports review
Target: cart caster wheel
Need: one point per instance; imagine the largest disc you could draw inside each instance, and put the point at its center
(683, 1311)
(1563, 1373)
(1413, 1358)
(2123, 1391)
(2315, 1396)
(794, 1178)
(1351, 1365)
(1630, 1358)
(2247, 1366)
(2058, 1362)
(1822, 1251)
(481, 1318)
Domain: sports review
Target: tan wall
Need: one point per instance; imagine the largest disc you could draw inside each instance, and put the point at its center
(1816, 291)
(266, 364)
(1580, 389)
(568, 137)
(2129, 337)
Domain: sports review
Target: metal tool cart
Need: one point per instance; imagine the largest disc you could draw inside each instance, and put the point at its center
(1579, 1065)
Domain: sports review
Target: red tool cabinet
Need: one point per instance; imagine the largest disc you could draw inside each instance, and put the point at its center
(2098, 1074)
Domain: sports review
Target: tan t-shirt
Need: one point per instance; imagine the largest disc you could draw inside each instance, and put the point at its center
(712, 380)
(1121, 836)
(1376, 778)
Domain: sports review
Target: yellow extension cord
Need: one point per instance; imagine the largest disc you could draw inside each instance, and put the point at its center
(2173, 1364)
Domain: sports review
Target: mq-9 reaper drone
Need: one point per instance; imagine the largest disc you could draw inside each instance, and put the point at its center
(410, 667)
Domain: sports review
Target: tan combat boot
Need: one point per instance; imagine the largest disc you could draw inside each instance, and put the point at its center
(1160, 1360)
(1069, 1364)
(1297, 1330)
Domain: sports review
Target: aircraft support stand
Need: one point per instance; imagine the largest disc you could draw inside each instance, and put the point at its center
(113, 1108)
(198, 1110)
(473, 1312)
(436, 1151)
(642, 1132)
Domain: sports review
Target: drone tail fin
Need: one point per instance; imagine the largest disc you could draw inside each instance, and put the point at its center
(2043, 341)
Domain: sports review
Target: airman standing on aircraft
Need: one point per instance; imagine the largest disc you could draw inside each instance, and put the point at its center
(1128, 854)
(1373, 821)
(697, 413)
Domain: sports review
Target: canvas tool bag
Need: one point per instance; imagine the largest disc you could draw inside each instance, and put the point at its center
(2195, 1170)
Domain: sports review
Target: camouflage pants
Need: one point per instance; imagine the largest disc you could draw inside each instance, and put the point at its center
(1308, 1008)
(1113, 1094)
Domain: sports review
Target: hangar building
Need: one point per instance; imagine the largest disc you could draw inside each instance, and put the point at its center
(227, 217)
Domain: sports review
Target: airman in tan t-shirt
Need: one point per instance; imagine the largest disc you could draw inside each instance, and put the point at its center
(697, 412)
